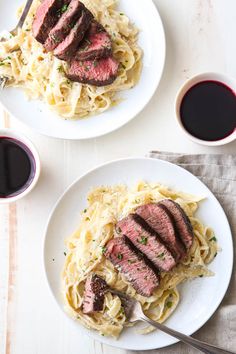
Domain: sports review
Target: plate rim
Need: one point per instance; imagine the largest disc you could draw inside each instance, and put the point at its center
(89, 332)
(119, 125)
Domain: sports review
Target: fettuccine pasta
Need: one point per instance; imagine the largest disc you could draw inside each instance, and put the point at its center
(25, 64)
(107, 205)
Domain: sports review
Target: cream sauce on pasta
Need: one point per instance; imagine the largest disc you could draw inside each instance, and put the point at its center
(107, 205)
(42, 76)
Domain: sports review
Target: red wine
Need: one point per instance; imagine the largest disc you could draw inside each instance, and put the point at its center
(17, 167)
(208, 111)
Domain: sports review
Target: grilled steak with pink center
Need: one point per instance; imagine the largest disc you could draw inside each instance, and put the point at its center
(147, 241)
(94, 294)
(182, 222)
(133, 265)
(99, 72)
(66, 49)
(160, 220)
(46, 17)
(66, 22)
(96, 44)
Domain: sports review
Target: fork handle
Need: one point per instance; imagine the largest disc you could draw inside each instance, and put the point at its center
(24, 14)
(195, 343)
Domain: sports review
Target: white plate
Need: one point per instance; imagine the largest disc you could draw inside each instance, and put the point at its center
(199, 298)
(38, 116)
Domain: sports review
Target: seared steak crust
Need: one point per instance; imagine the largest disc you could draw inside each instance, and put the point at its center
(133, 265)
(95, 288)
(182, 222)
(67, 48)
(66, 22)
(160, 220)
(147, 241)
(46, 17)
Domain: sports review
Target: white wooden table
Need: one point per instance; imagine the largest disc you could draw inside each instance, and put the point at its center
(200, 37)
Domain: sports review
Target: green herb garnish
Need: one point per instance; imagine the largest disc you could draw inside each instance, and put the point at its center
(213, 239)
(103, 249)
(161, 255)
(60, 69)
(64, 8)
(120, 256)
(143, 240)
(169, 304)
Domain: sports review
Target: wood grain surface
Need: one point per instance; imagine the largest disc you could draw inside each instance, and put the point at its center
(199, 37)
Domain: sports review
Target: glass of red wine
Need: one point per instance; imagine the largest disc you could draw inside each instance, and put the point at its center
(206, 109)
(19, 166)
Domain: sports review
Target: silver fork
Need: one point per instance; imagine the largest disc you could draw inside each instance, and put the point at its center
(134, 313)
(3, 79)
(22, 18)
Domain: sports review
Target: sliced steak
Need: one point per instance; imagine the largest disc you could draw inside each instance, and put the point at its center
(160, 220)
(100, 72)
(66, 22)
(66, 49)
(133, 265)
(96, 44)
(95, 288)
(182, 222)
(46, 17)
(146, 241)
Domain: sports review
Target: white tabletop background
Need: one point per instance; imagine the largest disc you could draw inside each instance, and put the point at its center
(200, 37)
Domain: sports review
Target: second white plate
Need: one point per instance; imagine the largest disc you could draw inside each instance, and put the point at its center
(38, 116)
(199, 298)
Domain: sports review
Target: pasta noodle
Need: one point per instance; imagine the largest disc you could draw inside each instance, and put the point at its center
(42, 76)
(107, 205)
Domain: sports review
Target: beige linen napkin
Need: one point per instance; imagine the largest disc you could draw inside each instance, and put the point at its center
(218, 172)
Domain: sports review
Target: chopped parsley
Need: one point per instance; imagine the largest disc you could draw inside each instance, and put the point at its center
(1, 64)
(60, 69)
(200, 276)
(161, 255)
(103, 249)
(213, 239)
(64, 8)
(169, 304)
(64, 253)
(120, 256)
(121, 13)
(143, 240)
(95, 63)
(85, 210)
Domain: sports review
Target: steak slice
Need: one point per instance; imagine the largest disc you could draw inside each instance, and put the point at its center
(95, 288)
(182, 222)
(96, 44)
(146, 241)
(66, 49)
(133, 265)
(160, 220)
(66, 22)
(46, 17)
(100, 72)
